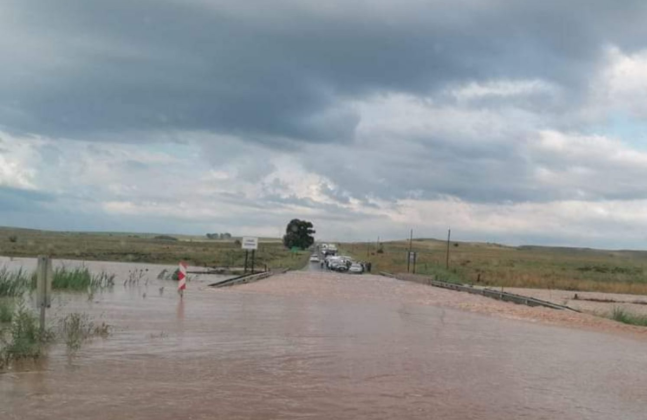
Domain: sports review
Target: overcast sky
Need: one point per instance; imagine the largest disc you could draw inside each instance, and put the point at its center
(510, 121)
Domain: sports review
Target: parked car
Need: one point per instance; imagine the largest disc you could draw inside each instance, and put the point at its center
(337, 264)
(314, 259)
(340, 266)
(330, 259)
(356, 268)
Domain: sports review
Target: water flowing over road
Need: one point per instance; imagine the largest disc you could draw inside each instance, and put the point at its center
(324, 346)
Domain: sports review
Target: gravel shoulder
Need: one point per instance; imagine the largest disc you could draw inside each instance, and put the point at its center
(567, 297)
(373, 288)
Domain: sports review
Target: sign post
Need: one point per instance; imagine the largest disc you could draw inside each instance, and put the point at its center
(249, 243)
(181, 276)
(411, 261)
(44, 277)
(449, 235)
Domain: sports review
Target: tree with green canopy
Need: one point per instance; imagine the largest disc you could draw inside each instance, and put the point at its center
(299, 234)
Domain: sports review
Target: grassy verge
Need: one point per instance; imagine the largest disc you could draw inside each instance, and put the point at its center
(140, 248)
(626, 317)
(293, 261)
(523, 267)
(441, 274)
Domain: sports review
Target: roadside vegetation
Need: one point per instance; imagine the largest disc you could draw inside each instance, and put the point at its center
(20, 335)
(17, 283)
(627, 317)
(501, 266)
(79, 279)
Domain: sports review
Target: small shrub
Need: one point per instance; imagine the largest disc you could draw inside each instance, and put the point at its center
(165, 238)
(102, 330)
(26, 337)
(77, 328)
(13, 239)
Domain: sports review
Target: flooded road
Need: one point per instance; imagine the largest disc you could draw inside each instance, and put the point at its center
(256, 352)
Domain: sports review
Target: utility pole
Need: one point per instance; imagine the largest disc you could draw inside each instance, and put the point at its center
(409, 253)
(410, 240)
(449, 234)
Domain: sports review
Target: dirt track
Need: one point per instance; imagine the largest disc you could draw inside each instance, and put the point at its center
(327, 285)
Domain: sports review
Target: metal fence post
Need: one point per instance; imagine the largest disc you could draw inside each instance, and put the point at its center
(44, 277)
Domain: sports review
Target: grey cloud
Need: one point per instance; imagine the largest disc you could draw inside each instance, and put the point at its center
(485, 167)
(247, 81)
(216, 66)
(337, 195)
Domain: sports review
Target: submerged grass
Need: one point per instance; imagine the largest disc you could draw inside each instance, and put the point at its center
(78, 279)
(6, 310)
(77, 328)
(13, 283)
(23, 339)
(626, 317)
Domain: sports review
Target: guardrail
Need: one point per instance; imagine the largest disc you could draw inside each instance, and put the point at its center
(487, 292)
(247, 278)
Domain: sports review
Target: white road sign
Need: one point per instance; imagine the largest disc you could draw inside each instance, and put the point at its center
(250, 243)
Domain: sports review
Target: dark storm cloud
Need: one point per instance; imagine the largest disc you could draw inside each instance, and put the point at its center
(276, 71)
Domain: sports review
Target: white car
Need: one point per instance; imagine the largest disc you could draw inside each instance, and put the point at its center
(356, 268)
(314, 259)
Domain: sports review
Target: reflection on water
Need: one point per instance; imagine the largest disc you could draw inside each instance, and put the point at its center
(180, 312)
(237, 354)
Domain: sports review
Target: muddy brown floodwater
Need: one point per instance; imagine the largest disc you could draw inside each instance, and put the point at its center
(323, 346)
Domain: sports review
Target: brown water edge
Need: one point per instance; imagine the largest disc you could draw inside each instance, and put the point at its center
(274, 350)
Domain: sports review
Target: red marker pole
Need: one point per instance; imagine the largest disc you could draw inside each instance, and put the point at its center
(181, 276)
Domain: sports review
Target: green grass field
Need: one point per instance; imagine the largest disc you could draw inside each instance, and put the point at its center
(150, 248)
(531, 267)
(477, 263)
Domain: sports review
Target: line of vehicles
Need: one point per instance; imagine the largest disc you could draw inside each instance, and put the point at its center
(340, 263)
